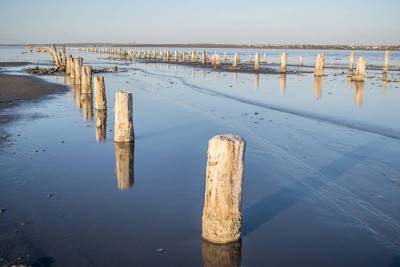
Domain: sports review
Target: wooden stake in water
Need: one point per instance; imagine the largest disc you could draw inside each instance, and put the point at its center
(351, 60)
(100, 93)
(123, 128)
(360, 71)
(222, 217)
(301, 61)
(319, 65)
(86, 79)
(283, 60)
(78, 69)
(257, 62)
(386, 62)
(235, 62)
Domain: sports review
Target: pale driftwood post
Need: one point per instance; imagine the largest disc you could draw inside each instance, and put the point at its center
(124, 165)
(235, 62)
(257, 62)
(283, 62)
(222, 217)
(72, 69)
(360, 71)
(386, 62)
(123, 128)
(319, 65)
(351, 61)
(63, 58)
(78, 67)
(301, 61)
(225, 57)
(175, 56)
(100, 93)
(86, 79)
(204, 58)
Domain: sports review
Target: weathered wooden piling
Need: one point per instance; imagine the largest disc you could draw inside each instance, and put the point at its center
(123, 128)
(72, 69)
(225, 57)
(319, 65)
(222, 218)
(86, 83)
(386, 62)
(235, 62)
(78, 69)
(257, 62)
(204, 58)
(100, 93)
(301, 61)
(360, 70)
(124, 168)
(351, 60)
(283, 61)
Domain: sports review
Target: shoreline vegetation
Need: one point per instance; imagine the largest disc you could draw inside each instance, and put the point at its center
(237, 46)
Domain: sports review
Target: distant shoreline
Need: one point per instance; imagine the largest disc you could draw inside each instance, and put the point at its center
(230, 46)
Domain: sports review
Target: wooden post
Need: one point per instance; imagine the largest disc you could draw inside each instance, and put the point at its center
(386, 62)
(351, 61)
(63, 58)
(217, 59)
(175, 56)
(68, 65)
(123, 128)
(257, 62)
(100, 93)
(72, 69)
(124, 165)
(78, 67)
(235, 62)
(222, 218)
(319, 65)
(301, 61)
(360, 71)
(86, 79)
(204, 58)
(225, 57)
(283, 62)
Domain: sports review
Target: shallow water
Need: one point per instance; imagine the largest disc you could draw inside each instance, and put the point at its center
(321, 183)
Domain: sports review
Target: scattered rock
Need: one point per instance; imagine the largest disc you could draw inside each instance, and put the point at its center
(62, 142)
(50, 195)
(41, 71)
(2, 211)
(160, 250)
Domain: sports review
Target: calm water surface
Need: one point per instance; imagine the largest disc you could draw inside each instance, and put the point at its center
(321, 182)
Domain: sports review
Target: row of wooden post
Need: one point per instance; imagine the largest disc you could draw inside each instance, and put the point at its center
(215, 59)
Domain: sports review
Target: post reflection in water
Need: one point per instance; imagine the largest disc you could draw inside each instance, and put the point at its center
(222, 255)
(256, 80)
(124, 161)
(101, 125)
(282, 83)
(318, 87)
(87, 106)
(359, 98)
(77, 94)
(384, 84)
(235, 77)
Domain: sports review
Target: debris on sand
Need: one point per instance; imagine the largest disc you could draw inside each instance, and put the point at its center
(41, 71)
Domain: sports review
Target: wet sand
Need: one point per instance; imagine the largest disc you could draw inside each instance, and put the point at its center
(15, 90)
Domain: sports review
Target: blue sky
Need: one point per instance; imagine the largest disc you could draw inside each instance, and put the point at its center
(223, 21)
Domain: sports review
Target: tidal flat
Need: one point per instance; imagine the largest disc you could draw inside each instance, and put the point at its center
(321, 179)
